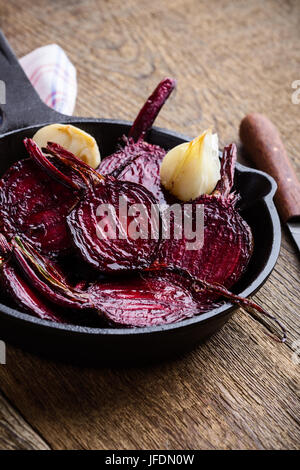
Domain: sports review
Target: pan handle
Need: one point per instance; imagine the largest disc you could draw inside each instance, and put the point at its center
(20, 105)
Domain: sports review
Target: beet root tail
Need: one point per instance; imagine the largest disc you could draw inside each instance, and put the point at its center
(151, 108)
(247, 304)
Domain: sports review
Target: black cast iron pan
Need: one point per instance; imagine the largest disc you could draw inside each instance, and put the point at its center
(22, 116)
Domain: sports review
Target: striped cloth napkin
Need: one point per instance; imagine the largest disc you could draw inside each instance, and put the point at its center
(53, 76)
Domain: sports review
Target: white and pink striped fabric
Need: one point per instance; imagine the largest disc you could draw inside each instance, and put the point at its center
(53, 76)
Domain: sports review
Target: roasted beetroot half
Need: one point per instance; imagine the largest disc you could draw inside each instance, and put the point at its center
(136, 160)
(51, 203)
(227, 238)
(34, 205)
(101, 228)
(143, 299)
(19, 292)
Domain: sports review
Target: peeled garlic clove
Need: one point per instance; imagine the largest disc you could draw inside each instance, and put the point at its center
(192, 168)
(80, 143)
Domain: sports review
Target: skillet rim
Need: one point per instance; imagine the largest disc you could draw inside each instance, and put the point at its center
(224, 309)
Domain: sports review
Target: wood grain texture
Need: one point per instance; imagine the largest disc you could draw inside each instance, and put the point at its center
(240, 390)
(15, 433)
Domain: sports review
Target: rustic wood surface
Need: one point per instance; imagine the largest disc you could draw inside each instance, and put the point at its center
(15, 433)
(240, 389)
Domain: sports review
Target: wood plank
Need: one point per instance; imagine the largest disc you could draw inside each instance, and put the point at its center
(15, 433)
(240, 390)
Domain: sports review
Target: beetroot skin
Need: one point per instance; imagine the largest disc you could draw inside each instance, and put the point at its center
(168, 282)
(228, 241)
(139, 163)
(35, 206)
(143, 299)
(23, 296)
(111, 248)
(20, 293)
(146, 300)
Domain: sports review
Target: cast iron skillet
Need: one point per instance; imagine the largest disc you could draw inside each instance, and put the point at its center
(23, 114)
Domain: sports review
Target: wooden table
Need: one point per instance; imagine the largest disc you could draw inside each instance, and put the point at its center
(240, 390)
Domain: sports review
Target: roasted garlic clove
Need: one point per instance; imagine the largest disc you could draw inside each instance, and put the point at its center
(192, 168)
(80, 143)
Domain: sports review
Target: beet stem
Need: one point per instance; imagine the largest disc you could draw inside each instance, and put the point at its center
(40, 159)
(17, 288)
(151, 108)
(64, 155)
(43, 276)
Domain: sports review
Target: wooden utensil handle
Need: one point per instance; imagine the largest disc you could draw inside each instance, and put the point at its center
(265, 147)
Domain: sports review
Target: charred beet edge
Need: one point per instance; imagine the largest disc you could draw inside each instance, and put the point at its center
(168, 282)
(227, 238)
(225, 183)
(35, 206)
(19, 291)
(103, 250)
(144, 300)
(148, 299)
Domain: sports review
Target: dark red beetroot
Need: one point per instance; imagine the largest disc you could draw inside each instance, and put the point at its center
(138, 161)
(228, 242)
(34, 205)
(112, 254)
(147, 115)
(111, 246)
(18, 290)
(146, 299)
(143, 300)
(227, 237)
